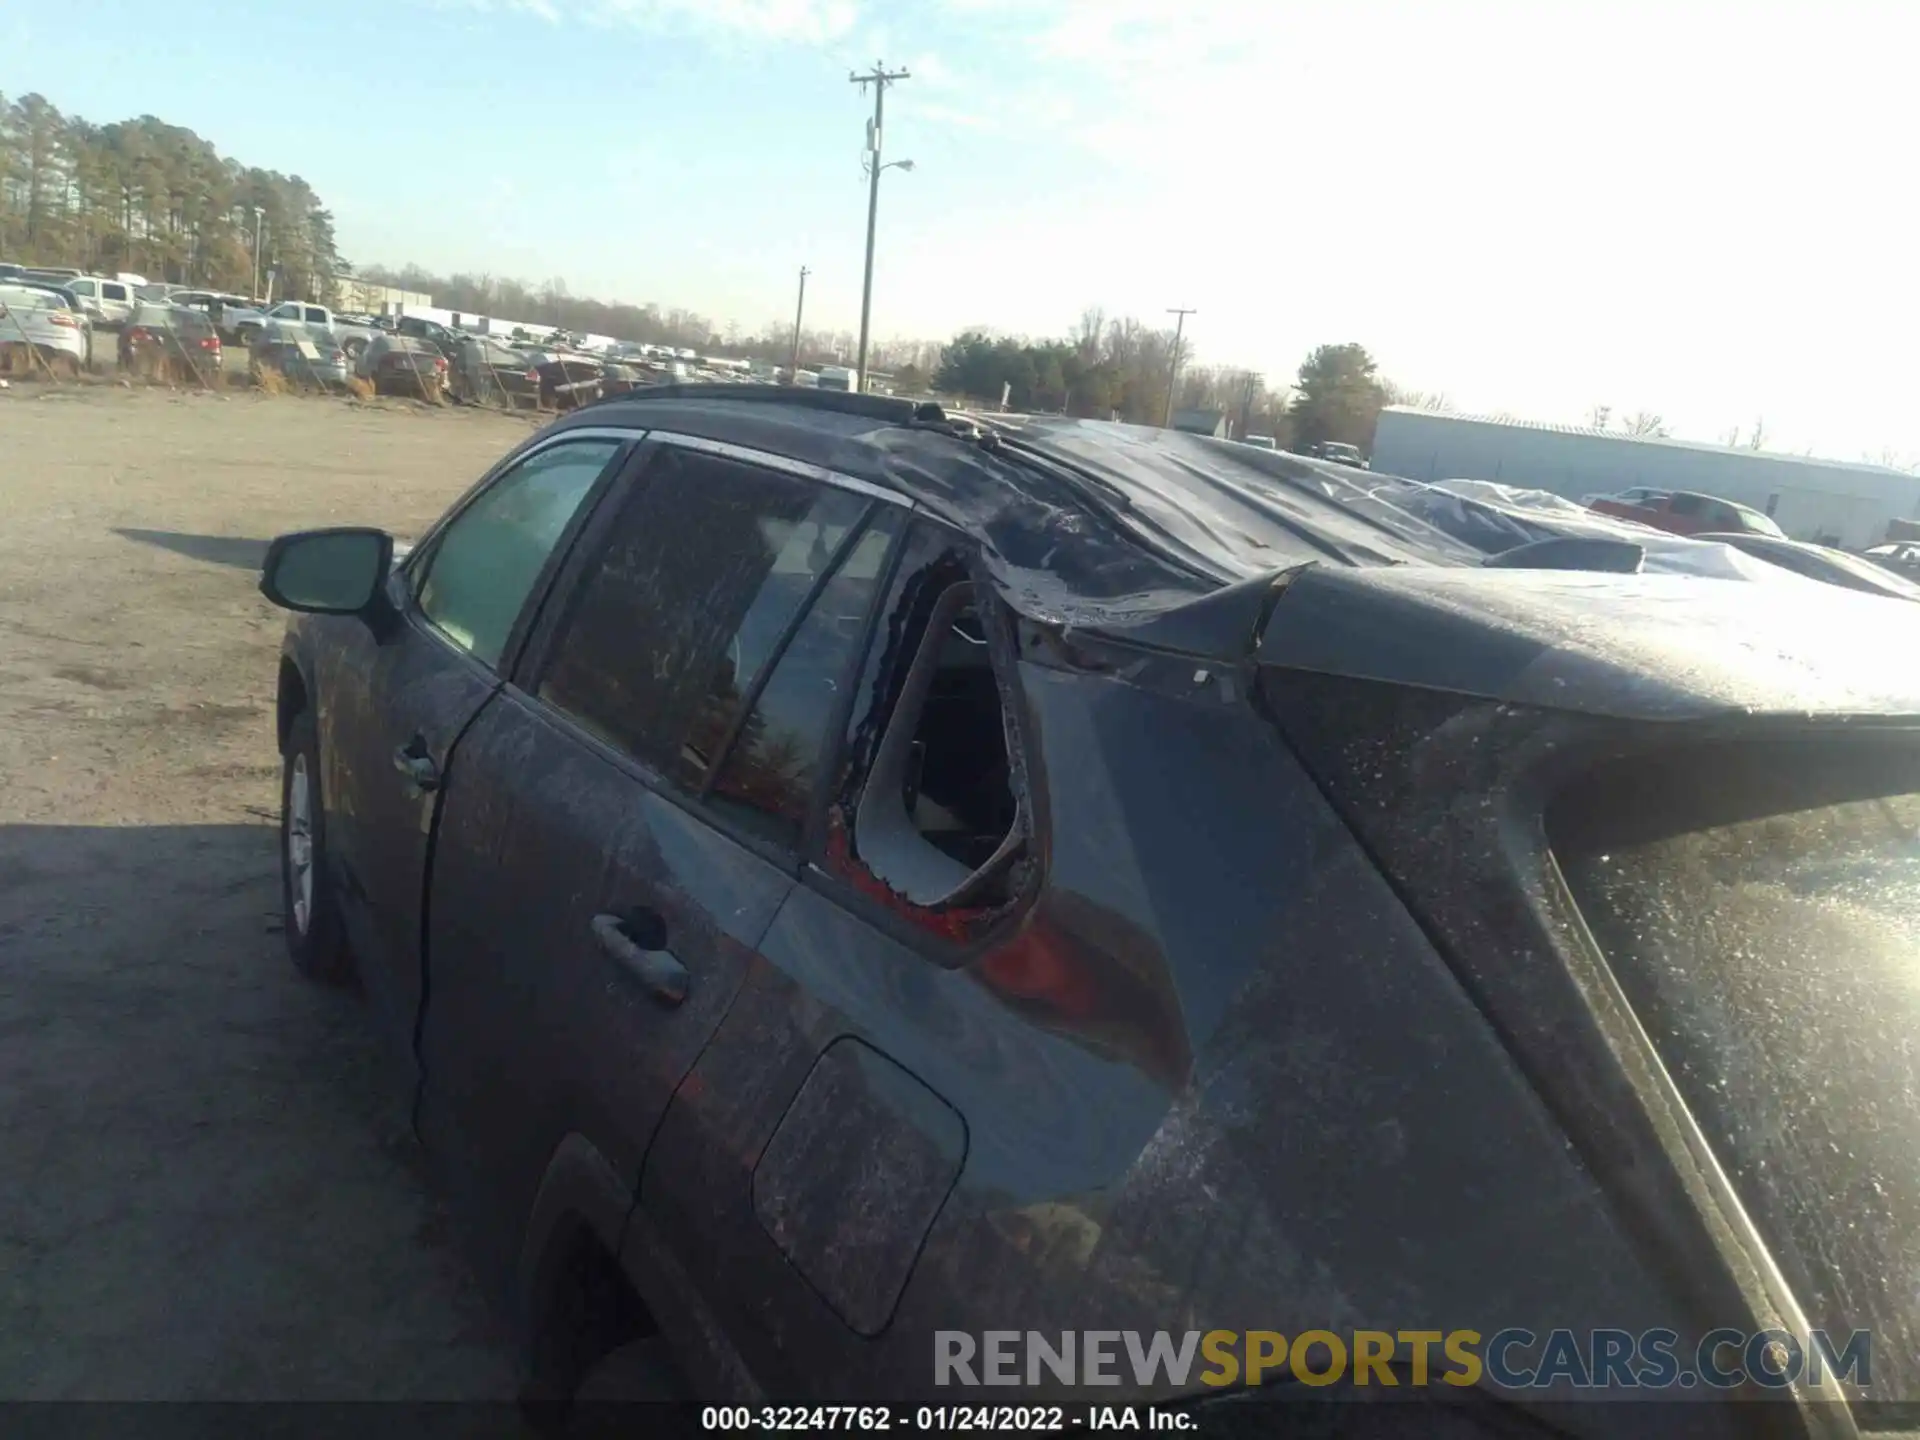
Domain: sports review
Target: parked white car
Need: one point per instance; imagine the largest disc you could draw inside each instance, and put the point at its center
(109, 302)
(38, 329)
(246, 325)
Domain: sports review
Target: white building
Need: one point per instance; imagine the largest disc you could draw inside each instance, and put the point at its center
(1828, 500)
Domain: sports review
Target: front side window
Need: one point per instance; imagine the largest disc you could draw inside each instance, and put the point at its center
(485, 563)
(82, 287)
(114, 292)
(704, 571)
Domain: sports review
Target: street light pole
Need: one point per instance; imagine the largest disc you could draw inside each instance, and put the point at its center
(1173, 370)
(256, 251)
(879, 77)
(793, 369)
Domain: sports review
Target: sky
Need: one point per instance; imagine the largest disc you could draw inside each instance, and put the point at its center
(1690, 207)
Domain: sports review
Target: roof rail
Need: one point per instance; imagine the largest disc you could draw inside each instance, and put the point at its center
(875, 407)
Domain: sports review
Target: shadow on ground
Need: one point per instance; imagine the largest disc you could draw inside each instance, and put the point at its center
(231, 550)
(207, 1185)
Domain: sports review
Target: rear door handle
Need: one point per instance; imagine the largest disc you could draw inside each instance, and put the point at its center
(413, 761)
(637, 943)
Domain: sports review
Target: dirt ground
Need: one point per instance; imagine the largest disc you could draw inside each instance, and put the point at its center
(206, 1185)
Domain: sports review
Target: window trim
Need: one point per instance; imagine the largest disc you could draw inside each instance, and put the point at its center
(769, 460)
(414, 569)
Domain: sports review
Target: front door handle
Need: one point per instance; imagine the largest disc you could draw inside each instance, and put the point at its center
(413, 761)
(637, 943)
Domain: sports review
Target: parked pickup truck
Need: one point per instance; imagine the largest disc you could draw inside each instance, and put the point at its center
(246, 325)
(108, 303)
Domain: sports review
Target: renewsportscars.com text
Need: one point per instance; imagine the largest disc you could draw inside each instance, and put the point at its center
(1513, 1359)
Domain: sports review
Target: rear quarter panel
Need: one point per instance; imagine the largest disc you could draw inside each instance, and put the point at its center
(1218, 1079)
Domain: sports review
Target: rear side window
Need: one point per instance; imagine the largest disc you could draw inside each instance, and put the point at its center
(486, 561)
(702, 576)
(316, 316)
(1760, 906)
(766, 781)
(1686, 505)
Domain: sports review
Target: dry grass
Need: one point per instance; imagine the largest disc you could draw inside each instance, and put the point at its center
(269, 381)
(360, 389)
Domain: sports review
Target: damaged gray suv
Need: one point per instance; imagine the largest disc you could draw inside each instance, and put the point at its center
(846, 880)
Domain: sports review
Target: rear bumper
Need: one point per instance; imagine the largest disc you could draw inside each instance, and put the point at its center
(47, 346)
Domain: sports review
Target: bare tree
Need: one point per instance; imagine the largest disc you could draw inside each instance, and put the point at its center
(1091, 330)
(1598, 417)
(1892, 459)
(1408, 398)
(1647, 424)
(1757, 437)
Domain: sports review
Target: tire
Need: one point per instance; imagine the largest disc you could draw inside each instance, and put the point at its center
(620, 1396)
(316, 939)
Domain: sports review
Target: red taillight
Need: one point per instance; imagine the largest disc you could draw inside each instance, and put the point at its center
(209, 342)
(137, 334)
(339, 357)
(62, 317)
(440, 362)
(533, 377)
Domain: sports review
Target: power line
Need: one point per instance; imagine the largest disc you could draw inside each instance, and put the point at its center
(1173, 369)
(879, 77)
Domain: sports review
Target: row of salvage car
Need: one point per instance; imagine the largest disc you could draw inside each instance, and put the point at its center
(1638, 531)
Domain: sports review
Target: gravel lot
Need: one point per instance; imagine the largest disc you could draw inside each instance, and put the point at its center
(206, 1185)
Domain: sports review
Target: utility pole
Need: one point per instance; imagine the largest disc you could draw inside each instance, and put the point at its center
(1173, 370)
(793, 369)
(879, 77)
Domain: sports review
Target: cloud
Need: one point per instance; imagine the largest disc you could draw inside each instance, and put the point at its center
(807, 22)
(933, 73)
(812, 22)
(954, 118)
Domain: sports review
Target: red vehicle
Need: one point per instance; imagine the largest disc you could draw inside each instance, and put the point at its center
(1684, 512)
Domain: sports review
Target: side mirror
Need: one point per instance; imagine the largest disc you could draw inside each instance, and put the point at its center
(327, 572)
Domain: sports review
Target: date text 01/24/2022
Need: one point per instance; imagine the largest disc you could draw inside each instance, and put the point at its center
(934, 1419)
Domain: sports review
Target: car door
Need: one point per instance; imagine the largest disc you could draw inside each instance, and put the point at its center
(1685, 515)
(810, 1152)
(393, 705)
(593, 907)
